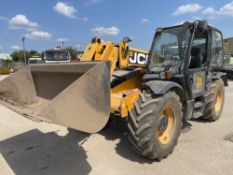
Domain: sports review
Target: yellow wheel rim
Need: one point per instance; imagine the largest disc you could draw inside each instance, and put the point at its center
(218, 101)
(166, 125)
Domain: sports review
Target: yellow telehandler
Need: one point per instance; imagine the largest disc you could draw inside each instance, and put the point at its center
(179, 79)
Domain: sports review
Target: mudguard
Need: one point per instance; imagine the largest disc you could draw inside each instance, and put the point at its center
(159, 87)
(221, 75)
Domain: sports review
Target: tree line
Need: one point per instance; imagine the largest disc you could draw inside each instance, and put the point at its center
(18, 56)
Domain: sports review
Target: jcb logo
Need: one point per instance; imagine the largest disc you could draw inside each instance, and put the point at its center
(138, 58)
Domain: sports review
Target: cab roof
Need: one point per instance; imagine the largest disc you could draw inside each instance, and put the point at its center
(190, 24)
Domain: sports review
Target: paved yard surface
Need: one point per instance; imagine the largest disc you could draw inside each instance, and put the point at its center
(30, 148)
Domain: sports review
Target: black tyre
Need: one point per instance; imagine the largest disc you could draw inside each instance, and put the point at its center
(215, 97)
(154, 125)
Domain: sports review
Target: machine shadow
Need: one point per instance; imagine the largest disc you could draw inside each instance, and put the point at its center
(37, 153)
(118, 130)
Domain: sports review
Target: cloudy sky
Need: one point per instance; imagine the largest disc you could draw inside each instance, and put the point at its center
(45, 23)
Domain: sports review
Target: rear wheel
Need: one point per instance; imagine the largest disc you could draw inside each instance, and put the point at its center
(214, 101)
(154, 125)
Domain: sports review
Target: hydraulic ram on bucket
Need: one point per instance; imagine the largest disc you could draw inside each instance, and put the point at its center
(75, 95)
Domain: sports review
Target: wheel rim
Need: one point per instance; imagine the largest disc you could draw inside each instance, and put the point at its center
(218, 101)
(165, 130)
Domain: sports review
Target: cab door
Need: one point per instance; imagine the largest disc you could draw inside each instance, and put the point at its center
(198, 64)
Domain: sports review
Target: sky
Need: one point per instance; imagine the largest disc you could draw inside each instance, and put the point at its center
(45, 23)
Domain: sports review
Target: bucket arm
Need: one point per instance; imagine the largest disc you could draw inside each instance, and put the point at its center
(127, 68)
(120, 54)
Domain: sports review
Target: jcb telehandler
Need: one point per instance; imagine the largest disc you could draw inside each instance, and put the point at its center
(179, 80)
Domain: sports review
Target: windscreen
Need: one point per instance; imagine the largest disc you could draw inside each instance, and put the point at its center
(169, 49)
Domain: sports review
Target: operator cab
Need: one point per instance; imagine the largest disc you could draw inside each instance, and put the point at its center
(186, 54)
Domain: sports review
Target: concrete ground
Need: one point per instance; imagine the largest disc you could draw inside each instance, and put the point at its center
(30, 148)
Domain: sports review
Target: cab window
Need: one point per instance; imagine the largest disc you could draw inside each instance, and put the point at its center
(198, 50)
(216, 49)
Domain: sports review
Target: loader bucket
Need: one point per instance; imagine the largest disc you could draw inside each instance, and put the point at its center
(76, 95)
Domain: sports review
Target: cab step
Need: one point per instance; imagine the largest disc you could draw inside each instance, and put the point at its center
(197, 115)
(198, 105)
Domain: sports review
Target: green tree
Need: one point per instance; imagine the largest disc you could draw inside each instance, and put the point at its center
(73, 52)
(19, 55)
(35, 53)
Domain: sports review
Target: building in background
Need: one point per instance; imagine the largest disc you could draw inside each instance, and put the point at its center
(228, 46)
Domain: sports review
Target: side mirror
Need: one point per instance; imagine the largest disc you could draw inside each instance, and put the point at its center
(126, 40)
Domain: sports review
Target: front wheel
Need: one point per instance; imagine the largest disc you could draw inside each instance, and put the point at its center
(154, 124)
